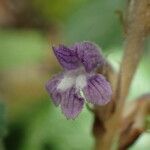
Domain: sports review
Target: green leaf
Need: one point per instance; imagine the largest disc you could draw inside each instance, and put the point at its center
(21, 47)
(147, 122)
(95, 21)
(2, 120)
(2, 123)
(49, 129)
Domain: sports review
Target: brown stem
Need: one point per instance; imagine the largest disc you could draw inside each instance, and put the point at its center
(133, 122)
(137, 29)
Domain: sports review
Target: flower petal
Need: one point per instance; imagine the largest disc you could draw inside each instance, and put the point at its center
(66, 83)
(71, 104)
(89, 55)
(51, 88)
(98, 90)
(66, 57)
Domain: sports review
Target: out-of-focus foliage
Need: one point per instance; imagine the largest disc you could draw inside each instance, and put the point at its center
(97, 21)
(147, 120)
(57, 9)
(20, 47)
(142, 143)
(50, 130)
(2, 123)
(2, 119)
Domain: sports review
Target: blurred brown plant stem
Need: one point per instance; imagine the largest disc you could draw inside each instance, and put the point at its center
(108, 119)
(22, 14)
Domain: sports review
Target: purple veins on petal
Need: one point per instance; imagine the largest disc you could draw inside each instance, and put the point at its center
(79, 62)
(98, 90)
(51, 88)
(89, 55)
(66, 57)
(71, 103)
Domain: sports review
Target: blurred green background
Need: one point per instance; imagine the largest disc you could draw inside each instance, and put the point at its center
(28, 28)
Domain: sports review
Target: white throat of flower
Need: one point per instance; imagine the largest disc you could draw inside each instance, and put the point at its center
(76, 78)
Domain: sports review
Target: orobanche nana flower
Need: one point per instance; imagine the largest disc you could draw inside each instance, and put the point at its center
(79, 81)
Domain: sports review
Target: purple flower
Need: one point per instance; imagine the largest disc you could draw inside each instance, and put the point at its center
(79, 82)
